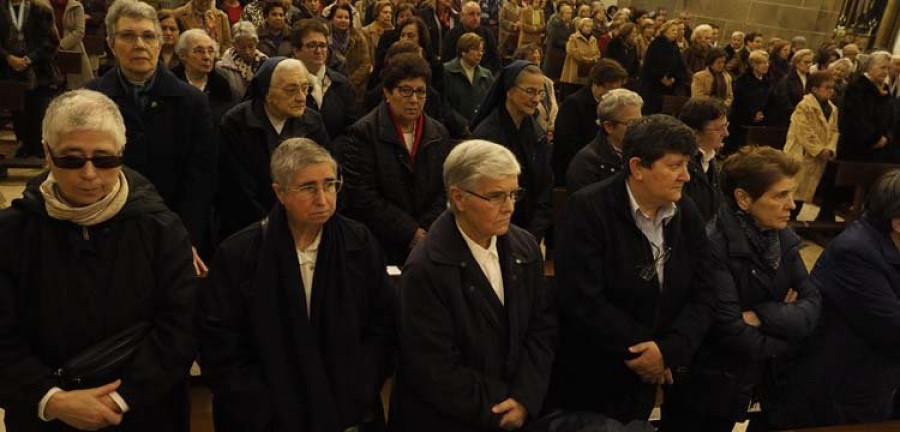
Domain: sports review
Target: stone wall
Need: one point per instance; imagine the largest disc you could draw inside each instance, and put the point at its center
(814, 19)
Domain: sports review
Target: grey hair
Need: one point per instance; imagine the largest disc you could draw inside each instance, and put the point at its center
(738, 33)
(294, 155)
(613, 101)
(797, 39)
(244, 30)
(83, 110)
(883, 201)
(845, 62)
(132, 9)
(186, 40)
(699, 30)
(873, 59)
(472, 160)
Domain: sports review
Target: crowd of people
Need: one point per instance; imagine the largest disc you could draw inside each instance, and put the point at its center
(235, 188)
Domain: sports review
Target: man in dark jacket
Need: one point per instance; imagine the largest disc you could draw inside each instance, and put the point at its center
(297, 323)
(392, 160)
(331, 93)
(867, 118)
(169, 126)
(602, 157)
(471, 23)
(276, 111)
(632, 277)
(477, 327)
(708, 117)
(573, 128)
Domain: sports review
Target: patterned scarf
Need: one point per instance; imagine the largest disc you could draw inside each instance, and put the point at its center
(766, 244)
(246, 69)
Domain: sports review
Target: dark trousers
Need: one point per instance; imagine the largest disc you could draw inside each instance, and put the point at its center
(27, 122)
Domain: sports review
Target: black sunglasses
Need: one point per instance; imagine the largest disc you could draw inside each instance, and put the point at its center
(78, 162)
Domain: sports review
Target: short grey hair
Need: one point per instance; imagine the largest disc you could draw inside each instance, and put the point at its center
(739, 34)
(132, 9)
(873, 59)
(798, 39)
(296, 154)
(700, 30)
(187, 38)
(613, 101)
(883, 201)
(83, 110)
(472, 160)
(244, 30)
(841, 62)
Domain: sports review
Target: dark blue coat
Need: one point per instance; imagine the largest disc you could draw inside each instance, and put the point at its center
(170, 142)
(852, 363)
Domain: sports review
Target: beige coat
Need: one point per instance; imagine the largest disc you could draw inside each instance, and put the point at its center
(702, 85)
(579, 51)
(509, 18)
(531, 26)
(219, 26)
(73, 33)
(809, 135)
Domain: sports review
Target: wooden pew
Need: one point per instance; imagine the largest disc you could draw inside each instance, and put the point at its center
(68, 62)
(94, 45)
(13, 99)
(672, 104)
(767, 136)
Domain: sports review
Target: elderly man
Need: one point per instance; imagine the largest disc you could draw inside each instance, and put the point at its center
(631, 271)
(477, 326)
(197, 52)
(736, 45)
(574, 129)
(311, 348)
(850, 52)
(168, 122)
(602, 157)
(470, 17)
(331, 93)
(202, 14)
(708, 117)
(96, 287)
(275, 110)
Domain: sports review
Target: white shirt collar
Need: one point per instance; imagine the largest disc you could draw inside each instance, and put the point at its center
(477, 250)
(308, 255)
(663, 215)
(706, 158)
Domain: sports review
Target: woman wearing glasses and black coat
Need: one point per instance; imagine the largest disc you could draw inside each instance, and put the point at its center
(765, 306)
(506, 117)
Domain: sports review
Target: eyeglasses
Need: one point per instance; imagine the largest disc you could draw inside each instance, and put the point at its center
(77, 162)
(311, 190)
(532, 92)
(497, 199)
(293, 89)
(199, 51)
(408, 92)
(660, 257)
(312, 46)
(131, 38)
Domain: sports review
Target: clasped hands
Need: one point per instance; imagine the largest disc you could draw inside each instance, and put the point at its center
(89, 409)
(649, 364)
(514, 414)
(17, 63)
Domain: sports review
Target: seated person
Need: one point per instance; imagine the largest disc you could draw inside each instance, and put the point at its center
(632, 271)
(477, 327)
(275, 110)
(311, 347)
(506, 117)
(849, 371)
(765, 307)
(708, 117)
(602, 157)
(92, 258)
(392, 160)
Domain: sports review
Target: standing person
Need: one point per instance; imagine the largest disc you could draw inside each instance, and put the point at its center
(274, 34)
(867, 126)
(582, 54)
(506, 117)
(646, 33)
(70, 26)
(751, 100)
(509, 28)
(466, 82)
(532, 23)
(663, 70)
(197, 51)
(392, 162)
(232, 8)
(779, 55)
(202, 14)
(27, 47)
(632, 272)
(696, 55)
(558, 32)
(813, 136)
(171, 31)
(383, 22)
(477, 326)
(273, 111)
(848, 372)
(93, 259)
(240, 62)
(736, 45)
(440, 18)
(312, 347)
(168, 122)
(765, 304)
(714, 81)
(470, 18)
(622, 49)
(331, 93)
(574, 129)
(788, 92)
(349, 50)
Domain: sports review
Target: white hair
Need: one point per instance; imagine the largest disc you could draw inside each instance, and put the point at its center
(614, 100)
(472, 160)
(701, 30)
(132, 9)
(294, 155)
(244, 30)
(83, 110)
(187, 38)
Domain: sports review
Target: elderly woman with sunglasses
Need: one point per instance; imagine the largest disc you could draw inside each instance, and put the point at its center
(296, 328)
(94, 270)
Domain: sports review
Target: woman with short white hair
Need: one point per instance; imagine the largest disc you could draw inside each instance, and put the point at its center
(477, 327)
(96, 286)
(240, 62)
(867, 121)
